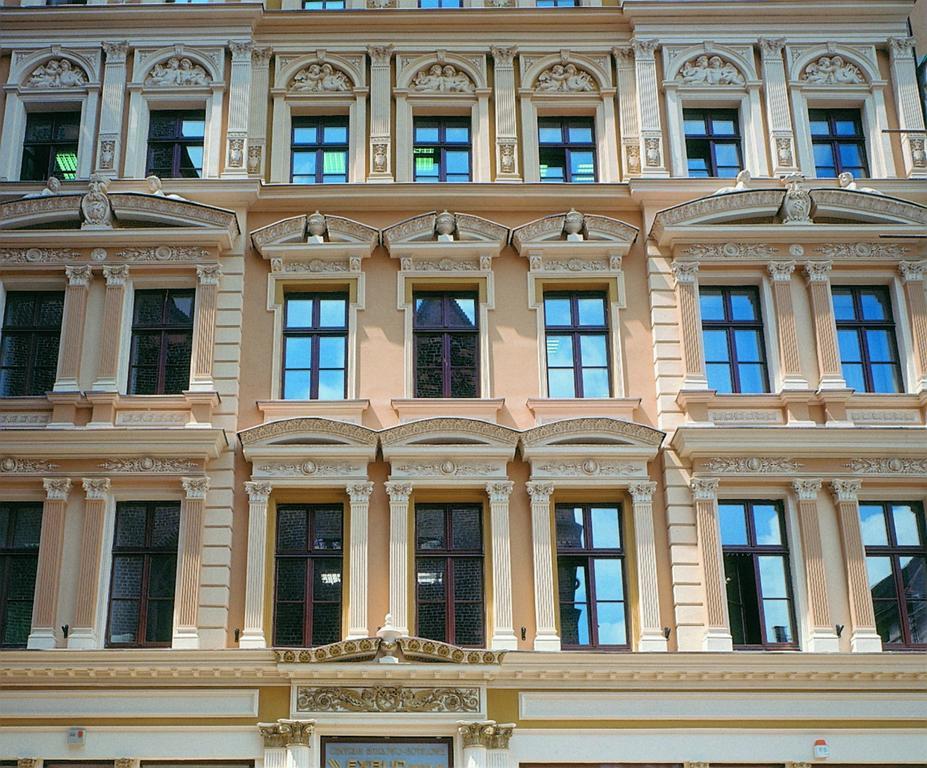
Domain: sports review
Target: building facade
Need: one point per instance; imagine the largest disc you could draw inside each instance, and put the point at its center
(488, 384)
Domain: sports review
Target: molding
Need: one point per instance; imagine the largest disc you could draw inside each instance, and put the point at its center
(387, 699)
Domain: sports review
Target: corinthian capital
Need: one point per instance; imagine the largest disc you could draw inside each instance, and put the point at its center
(704, 488)
(499, 490)
(644, 49)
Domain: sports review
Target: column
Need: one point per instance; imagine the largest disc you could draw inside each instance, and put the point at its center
(912, 275)
(503, 633)
(507, 161)
(475, 738)
(204, 327)
(690, 318)
(190, 545)
(298, 737)
(399, 494)
(648, 97)
(825, 328)
(498, 754)
(823, 637)
(253, 634)
(274, 745)
(545, 595)
(863, 635)
(717, 633)
(359, 493)
(781, 137)
(257, 119)
(910, 116)
(72, 326)
(51, 543)
(112, 107)
(381, 165)
(236, 151)
(651, 628)
(84, 631)
(789, 358)
(111, 337)
(628, 121)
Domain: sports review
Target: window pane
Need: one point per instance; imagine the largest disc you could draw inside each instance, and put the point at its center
(888, 621)
(429, 529)
(881, 581)
(727, 155)
(431, 622)
(570, 534)
(428, 311)
(426, 132)
(288, 624)
(465, 528)
(430, 579)
(574, 624)
(457, 162)
(591, 311)
(291, 578)
(752, 378)
(326, 624)
(331, 351)
(767, 524)
(468, 578)
(914, 576)
(165, 527)
(123, 621)
(885, 378)
(743, 605)
(292, 530)
(843, 305)
(875, 305)
(848, 339)
(457, 134)
(724, 126)
(192, 128)
(552, 164)
(557, 311)
(331, 385)
(327, 535)
(28, 528)
(880, 345)
(711, 304)
(299, 313)
(298, 351)
(716, 348)
(904, 517)
(463, 350)
(733, 522)
(582, 166)
(694, 123)
(778, 621)
(772, 576)
(332, 313)
(549, 132)
(744, 305)
(296, 385)
(462, 312)
(719, 377)
(561, 382)
(335, 134)
(605, 529)
(161, 570)
(571, 578)
(612, 630)
(559, 350)
(851, 155)
(748, 345)
(872, 522)
(468, 624)
(579, 131)
(608, 583)
(326, 580)
(917, 620)
(595, 382)
(127, 576)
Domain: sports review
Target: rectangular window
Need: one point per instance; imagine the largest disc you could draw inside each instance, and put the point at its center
(441, 149)
(866, 336)
(29, 344)
(315, 346)
(838, 142)
(440, 3)
(756, 568)
(556, 3)
(449, 572)
(50, 146)
(896, 560)
(162, 338)
(141, 595)
(65, 2)
(324, 5)
(713, 145)
(732, 334)
(566, 147)
(307, 592)
(319, 150)
(576, 334)
(446, 338)
(20, 526)
(590, 576)
(175, 143)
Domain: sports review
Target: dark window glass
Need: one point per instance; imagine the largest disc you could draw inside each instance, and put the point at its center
(50, 146)
(440, 4)
(590, 576)
(319, 150)
(756, 568)
(141, 593)
(446, 341)
(576, 334)
(308, 567)
(65, 2)
(838, 142)
(732, 335)
(441, 149)
(20, 526)
(449, 572)
(175, 143)
(566, 147)
(29, 342)
(162, 337)
(315, 346)
(324, 5)
(713, 145)
(866, 337)
(896, 560)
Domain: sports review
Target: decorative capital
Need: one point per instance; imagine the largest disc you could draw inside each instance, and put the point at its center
(195, 487)
(208, 274)
(241, 49)
(398, 492)
(297, 732)
(359, 492)
(380, 55)
(704, 488)
(501, 736)
(79, 276)
(476, 734)
(116, 51)
(772, 46)
(644, 49)
(57, 488)
(624, 55)
(258, 491)
(901, 47)
(642, 492)
(540, 493)
(846, 490)
(912, 271)
(499, 490)
(685, 272)
(503, 56)
(123, 762)
(807, 490)
(273, 737)
(260, 55)
(117, 274)
(96, 487)
(818, 271)
(781, 271)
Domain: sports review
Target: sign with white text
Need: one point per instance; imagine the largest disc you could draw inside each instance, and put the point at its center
(386, 753)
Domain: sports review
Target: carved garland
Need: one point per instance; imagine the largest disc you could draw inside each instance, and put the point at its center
(387, 699)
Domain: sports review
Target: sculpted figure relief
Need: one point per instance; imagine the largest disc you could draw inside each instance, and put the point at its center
(567, 78)
(57, 73)
(442, 79)
(317, 78)
(709, 70)
(832, 70)
(177, 71)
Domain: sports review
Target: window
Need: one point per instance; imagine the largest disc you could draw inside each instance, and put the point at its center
(50, 146)
(440, 4)
(319, 150)
(712, 142)
(590, 576)
(20, 526)
(162, 337)
(556, 3)
(446, 340)
(756, 568)
(732, 332)
(29, 345)
(315, 344)
(442, 149)
(65, 2)
(866, 335)
(838, 142)
(324, 5)
(896, 560)
(141, 595)
(449, 572)
(307, 601)
(567, 149)
(576, 330)
(175, 144)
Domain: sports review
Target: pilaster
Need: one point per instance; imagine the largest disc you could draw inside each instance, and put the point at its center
(111, 337)
(381, 163)
(204, 327)
(190, 545)
(507, 156)
(72, 327)
(359, 494)
(781, 136)
(649, 625)
(545, 596)
(85, 632)
(503, 634)
(912, 275)
(628, 120)
(399, 494)
(910, 114)
(718, 632)
(257, 118)
(112, 108)
(648, 97)
(825, 327)
(690, 317)
(236, 152)
(253, 634)
(47, 575)
(789, 357)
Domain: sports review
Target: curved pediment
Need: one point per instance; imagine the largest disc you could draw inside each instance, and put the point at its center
(315, 229)
(574, 227)
(445, 227)
(308, 431)
(600, 432)
(442, 432)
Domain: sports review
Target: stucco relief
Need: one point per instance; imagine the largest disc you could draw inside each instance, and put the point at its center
(589, 468)
(888, 466)
(439, 78)
(447, 468)
(311, 426)
(757, 251)
(309, 468)
(565, 78)
(382, 698)
(710, 71)
(319, 77)
(586, 426)
(753, 465)
(38, 255)
(177, 71)
(57, 73)
(149, 464)
(832, 70)
(163, 253)
(12, 465)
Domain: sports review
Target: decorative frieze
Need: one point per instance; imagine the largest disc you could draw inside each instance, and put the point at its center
(309, 468)
(148, 464)
(446, 468)
(38, 255)
(11, 465)
(863, 251)
(758, 251)
(589, 468)
(894, 465)
(387, 699)
(753, 465)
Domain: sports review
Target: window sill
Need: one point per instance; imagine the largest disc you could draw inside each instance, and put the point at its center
(546, 410)
(351, 411)
(410, 409)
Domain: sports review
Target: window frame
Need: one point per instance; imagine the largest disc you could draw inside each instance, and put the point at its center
(443, 146)
(178, 142)
(708, 114)
(576, 331)
(314, 332)
(33, 331)
(861, 325)
(568, 147)
(163, 329)
(834, 140)
(336, 5)
(729, 326)
(9, 557)
(447, 332)
(318, 148)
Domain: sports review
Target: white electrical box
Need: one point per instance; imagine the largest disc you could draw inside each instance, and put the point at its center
(77, 736)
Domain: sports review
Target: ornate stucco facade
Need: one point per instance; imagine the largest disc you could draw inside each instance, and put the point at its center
(667, 448)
